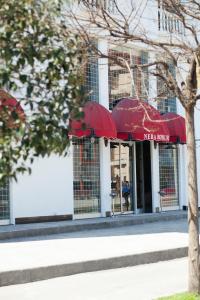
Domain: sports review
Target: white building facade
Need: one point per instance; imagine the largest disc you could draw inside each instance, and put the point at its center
(90, 182)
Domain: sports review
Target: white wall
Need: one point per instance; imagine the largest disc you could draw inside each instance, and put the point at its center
(48, 191)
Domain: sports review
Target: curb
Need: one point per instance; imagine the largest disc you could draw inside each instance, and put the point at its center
(106, 223)
(48, 272)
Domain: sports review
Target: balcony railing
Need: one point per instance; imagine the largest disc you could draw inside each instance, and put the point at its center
(108, 5)
(168, 22)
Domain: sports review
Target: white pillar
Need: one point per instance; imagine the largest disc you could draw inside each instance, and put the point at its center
(105, 178)
(103, 74)
(182, 164)
(105, 172)
(155, 174)
(182, 170)
(152, 83)
(155, 177)
(12, 217)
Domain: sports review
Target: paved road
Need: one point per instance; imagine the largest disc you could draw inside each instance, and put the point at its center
(145, 282)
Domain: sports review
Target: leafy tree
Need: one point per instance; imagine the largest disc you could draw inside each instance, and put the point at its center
(40, 61)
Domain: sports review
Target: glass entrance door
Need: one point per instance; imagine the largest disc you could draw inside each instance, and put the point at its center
(122, 177)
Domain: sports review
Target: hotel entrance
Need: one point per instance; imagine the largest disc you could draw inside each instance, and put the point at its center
(131, 177)
(122, 186)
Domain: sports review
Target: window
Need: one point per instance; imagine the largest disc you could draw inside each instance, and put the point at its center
(86, 181)
(5, 202)
(168, 154)
(120, 82)
(90, 78)
(88, 152)
(168, 166)
(166, 100)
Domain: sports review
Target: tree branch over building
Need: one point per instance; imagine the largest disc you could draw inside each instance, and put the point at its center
(170, 30)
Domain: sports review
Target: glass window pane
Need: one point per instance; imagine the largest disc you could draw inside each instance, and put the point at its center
(168, 176)
(86, 176)
(120, 82)
(5, 202)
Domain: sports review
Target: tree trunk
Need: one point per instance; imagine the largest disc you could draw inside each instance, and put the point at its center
(193, 222)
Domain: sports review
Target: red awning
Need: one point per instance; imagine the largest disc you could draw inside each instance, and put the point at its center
(137, 120)
(6, 100)
(176, 127)
(97, 122)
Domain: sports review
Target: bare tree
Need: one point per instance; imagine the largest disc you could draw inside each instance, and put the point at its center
(123, 22)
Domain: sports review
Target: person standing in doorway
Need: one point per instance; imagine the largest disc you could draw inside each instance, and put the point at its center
(126, 193)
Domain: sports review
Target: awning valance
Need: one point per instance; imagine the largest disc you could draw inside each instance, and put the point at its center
(137, 120)
(176, 127)
(97, 122)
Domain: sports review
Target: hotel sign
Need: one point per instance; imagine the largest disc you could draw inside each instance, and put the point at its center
(156, 137)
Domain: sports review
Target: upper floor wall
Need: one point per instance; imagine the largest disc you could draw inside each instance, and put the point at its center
(147, 18)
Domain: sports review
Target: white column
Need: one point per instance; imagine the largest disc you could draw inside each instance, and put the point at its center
(105, 178)
(105, 172)
(182, 170)
(12, 217)
(155, 174)
(152, 83)
(155, 177)
(182, 164)
(103, 74)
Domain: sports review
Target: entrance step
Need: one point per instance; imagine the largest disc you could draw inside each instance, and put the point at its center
(39, 229)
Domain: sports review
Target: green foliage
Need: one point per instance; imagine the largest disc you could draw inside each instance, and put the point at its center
(40, 61)
(183, 296)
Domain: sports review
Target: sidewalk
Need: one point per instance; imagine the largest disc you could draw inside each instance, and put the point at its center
(38, 258)
(37, 229)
